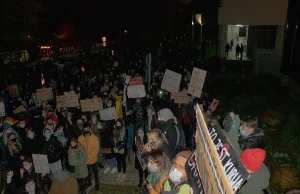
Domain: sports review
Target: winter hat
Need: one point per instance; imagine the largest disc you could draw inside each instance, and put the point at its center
(166, 114)
(253, 158)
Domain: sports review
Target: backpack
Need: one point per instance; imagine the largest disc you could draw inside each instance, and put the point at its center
(180, 143)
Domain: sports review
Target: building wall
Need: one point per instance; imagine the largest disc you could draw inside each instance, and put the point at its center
(233, 33)
(222, 40)
(253, 12)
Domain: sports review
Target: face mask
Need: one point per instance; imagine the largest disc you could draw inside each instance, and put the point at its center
(73, 144)
(94, 120)
(160, 122)
(149, 111)
(14, 139)
(153, 145)
(27, 167)
(31, 136)
(175, 175)
(30, 188)
(152, 168)
(47, 136)
(86, 132)
(243, 133)
(50, 124)
(22, 125)
(80, 125)
(141, 135)
(109, 105)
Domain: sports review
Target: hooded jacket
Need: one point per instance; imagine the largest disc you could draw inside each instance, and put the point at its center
(91, 144)
(254, 140)
(78, 158)
(168, 127)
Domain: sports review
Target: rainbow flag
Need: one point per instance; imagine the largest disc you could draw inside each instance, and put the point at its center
(8, 122)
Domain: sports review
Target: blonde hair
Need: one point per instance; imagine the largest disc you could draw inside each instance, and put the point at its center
(159, 135)
(162, 160)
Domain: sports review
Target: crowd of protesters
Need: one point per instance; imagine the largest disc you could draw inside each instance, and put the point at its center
(155, 127)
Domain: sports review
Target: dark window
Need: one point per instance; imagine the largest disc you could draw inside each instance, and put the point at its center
(242, 31)
(266, 37)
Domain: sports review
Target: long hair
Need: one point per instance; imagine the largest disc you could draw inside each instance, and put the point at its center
(138, 141)
(160, 136)
(79, 146)
(162, 160)
(13, 147)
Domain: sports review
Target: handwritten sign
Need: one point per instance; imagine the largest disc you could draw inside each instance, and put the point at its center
(19, 109)
(214, 104)
(136, 91)
(41, 164)
(137, 81)
(219, 167)
(171, 81)
(181, 97)
(2, 109)
(91, 105)
(192, 172)
(13, 91)
(44, 94)
(197, 82)
(66, 101)
(108, 114)
(104, 88)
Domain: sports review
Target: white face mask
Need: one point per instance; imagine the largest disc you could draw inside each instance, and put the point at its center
(149, 111)
(27, 167)
(31, 136)
(30, 187)
(99, 126)
(109, 105)
(94, 120)
(22, 125)
(175, 175)
(48, 135)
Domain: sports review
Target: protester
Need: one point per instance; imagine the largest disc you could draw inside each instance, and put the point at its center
(177, 182)
(91, 143)
(158, 166)
(259, 174)
(31, 143)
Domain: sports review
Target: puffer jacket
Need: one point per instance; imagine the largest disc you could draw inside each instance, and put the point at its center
(52, 148)
(255, 140)
(91, 144)
(78, 158)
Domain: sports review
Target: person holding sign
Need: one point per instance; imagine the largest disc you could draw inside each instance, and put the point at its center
(177, 182)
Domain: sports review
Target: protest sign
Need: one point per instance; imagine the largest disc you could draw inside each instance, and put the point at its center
(194, 179)
(141, 160)
(91, 105)
(197, 82)
(2, 109)
(41, 164)
(66, 101)
(19, 109)
(171, 81)
(13, 91)
(104, 88)
(136, 91)
(219, 167)
(108, 114)
(181, 97)
(137, 81)
(214, 104)
(44, 94)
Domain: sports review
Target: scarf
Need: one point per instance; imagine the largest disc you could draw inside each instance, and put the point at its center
(153, 178)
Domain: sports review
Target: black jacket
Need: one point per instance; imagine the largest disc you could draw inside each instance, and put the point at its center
(255, 140)
(32, 146)
(52, 148)
(169, 130)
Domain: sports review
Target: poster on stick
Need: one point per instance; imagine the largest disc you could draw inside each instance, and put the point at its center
(13, 91)
(41, 164)
(67, 101)
(19, 109)
(44, 94)
(181, 97)
(91, 105)
(220, 168)
(171, 81)
(137, 81)
(214, 104)
(108, 114)
(136, 91)
(197, 82)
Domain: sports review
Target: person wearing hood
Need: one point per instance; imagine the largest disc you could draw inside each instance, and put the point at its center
(91, 143)
(37, 120)
(250, 135)
(168, 126)
(178, 180)
(30, 143)
(22, 128)
(152, 120)
(231, 124)
(78, 128)
(52, 115)
(50, 124)
(77, 158)
(120, 135)
(259, 174)
(53, 149)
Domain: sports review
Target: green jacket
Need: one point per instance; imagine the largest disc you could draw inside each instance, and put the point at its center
(182, 188)
(78, 158)
(257, 182)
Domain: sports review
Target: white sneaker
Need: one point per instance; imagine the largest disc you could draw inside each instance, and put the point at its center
(119, 177)
(114, 170)
(123, 177)
(106, 170)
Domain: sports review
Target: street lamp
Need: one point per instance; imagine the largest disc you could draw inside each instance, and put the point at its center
(199, 20)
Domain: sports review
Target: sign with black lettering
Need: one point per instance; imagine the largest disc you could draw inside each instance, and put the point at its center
(194, 179)
(219, 167)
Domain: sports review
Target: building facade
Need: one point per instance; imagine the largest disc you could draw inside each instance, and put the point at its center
(259, 25)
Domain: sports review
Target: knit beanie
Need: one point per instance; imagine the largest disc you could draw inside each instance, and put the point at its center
(253, 158)
(166, 114)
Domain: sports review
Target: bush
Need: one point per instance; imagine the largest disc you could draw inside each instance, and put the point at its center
(283, 178)
(272, 117)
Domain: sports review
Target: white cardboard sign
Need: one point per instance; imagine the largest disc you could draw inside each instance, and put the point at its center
(171, 81)
(136, 91)
(197, 82)
(108, 114)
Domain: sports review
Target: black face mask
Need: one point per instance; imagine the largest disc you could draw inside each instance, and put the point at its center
(14, 139)
(160, 122)
(74, 147)
(86, 132)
